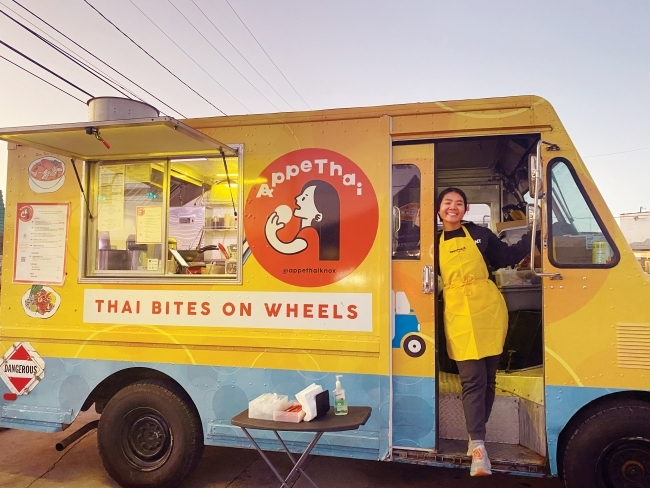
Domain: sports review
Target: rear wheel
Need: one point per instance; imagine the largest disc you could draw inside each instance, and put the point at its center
(150, 435)
(610, 449)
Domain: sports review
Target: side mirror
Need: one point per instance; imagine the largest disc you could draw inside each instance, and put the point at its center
(532, 214)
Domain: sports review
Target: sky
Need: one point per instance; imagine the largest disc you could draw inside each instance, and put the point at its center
(590, 59)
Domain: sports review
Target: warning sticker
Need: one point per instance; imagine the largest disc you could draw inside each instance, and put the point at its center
(21, 368)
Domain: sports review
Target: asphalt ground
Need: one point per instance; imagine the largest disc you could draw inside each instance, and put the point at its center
(29, 460)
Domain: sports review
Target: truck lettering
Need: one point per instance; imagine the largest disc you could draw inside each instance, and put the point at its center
(228, 309)
(292, 310)
(335, 312)
(352, 312)
(264, 191)
(245, 308)
(273, 310)
(205, 308)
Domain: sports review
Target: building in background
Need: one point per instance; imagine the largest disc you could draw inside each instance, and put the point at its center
(636, 229)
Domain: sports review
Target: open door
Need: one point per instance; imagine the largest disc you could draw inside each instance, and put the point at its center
(413, 378)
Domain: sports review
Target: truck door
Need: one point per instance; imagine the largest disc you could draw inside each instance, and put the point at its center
(413, 374)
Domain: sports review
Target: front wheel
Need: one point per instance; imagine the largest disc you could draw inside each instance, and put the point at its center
(610, 449)
(150, 435)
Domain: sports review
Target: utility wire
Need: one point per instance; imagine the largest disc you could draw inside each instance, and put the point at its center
(190, 57)
(620, 152)
(61, 51)
(221, 54)
(98, 59)
(243, 57)
(46, 69)
(267, 54)
(158, 62)
(70, 52)
(43, 79)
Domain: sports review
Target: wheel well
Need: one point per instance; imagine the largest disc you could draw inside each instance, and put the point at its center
(590, 409)
(105, 390)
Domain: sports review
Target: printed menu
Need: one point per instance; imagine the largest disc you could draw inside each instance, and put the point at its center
(40, 244)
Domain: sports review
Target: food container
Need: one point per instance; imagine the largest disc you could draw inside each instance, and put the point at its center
(516, 277)
(527, 297)
(293, 413)
(264, 405)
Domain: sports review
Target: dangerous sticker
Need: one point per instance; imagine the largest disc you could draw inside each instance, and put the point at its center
(22, 368)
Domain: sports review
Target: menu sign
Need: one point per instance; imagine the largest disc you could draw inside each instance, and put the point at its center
(40, 244)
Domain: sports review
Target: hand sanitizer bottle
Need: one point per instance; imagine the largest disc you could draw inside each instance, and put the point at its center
(340, 403)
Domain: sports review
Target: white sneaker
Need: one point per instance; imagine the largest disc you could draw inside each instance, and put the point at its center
(480, 462)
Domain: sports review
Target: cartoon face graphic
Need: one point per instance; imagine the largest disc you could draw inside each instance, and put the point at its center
(296, 227)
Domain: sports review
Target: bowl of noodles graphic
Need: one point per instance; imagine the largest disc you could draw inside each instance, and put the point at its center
(41, 302)
(46, 174)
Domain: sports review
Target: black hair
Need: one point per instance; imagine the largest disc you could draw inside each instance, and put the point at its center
(446, 191)
(326, 200)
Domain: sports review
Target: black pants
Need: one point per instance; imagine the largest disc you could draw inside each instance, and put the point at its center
(478, 379)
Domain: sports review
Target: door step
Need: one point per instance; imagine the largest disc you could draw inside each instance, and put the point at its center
(505, 458)
(503, 426)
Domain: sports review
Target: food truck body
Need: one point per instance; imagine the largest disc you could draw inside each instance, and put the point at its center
(191, 267)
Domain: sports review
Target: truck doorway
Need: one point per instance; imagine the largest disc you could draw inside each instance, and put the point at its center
(492, 171)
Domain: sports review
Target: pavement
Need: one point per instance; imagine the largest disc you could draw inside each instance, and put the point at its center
(29, 460)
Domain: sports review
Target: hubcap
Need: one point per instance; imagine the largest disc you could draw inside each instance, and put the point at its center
(146, 439)
(626, 463)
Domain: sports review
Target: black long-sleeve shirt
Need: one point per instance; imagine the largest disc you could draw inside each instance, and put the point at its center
(496, 253)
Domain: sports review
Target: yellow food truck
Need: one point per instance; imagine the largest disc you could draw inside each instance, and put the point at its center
(168, 272)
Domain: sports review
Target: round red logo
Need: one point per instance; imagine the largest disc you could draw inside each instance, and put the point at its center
(25, 213)
(313, 217)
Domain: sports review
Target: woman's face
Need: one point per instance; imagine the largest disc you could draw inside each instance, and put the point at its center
(452, 210)
(306, 207)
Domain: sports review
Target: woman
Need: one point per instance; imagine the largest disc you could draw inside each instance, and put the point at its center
(476, 318)
(317, 206)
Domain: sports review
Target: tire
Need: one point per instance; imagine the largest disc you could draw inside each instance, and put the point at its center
(150, 435)
(610, 448)
(414, 346)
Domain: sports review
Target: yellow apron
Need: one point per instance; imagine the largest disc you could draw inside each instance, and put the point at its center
(476, 317)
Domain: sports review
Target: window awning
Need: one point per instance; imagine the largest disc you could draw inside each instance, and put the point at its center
(127, 139)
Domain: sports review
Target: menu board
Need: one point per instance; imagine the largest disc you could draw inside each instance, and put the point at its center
(40, 244)
(148, 225)
(110, 201)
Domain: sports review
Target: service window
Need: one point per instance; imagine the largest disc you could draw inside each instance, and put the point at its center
(406, 211)
(165, 218)
(577, 236)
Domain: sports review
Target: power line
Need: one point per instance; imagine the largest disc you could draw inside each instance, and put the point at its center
(43, 79)
(267, 54)
(158, 62)
(243, 57)
(97, 58)
(221, 54)
(190, 57)
(620, 152)
(69, 51)
(46, 69)
(78, 63)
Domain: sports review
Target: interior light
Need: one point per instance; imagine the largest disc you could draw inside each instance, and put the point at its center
(187, 160)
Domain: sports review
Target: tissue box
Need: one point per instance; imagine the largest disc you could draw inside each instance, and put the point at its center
(294, 413)
(264, 405)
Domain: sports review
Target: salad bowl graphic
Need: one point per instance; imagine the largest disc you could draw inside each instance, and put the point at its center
(41, 302)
